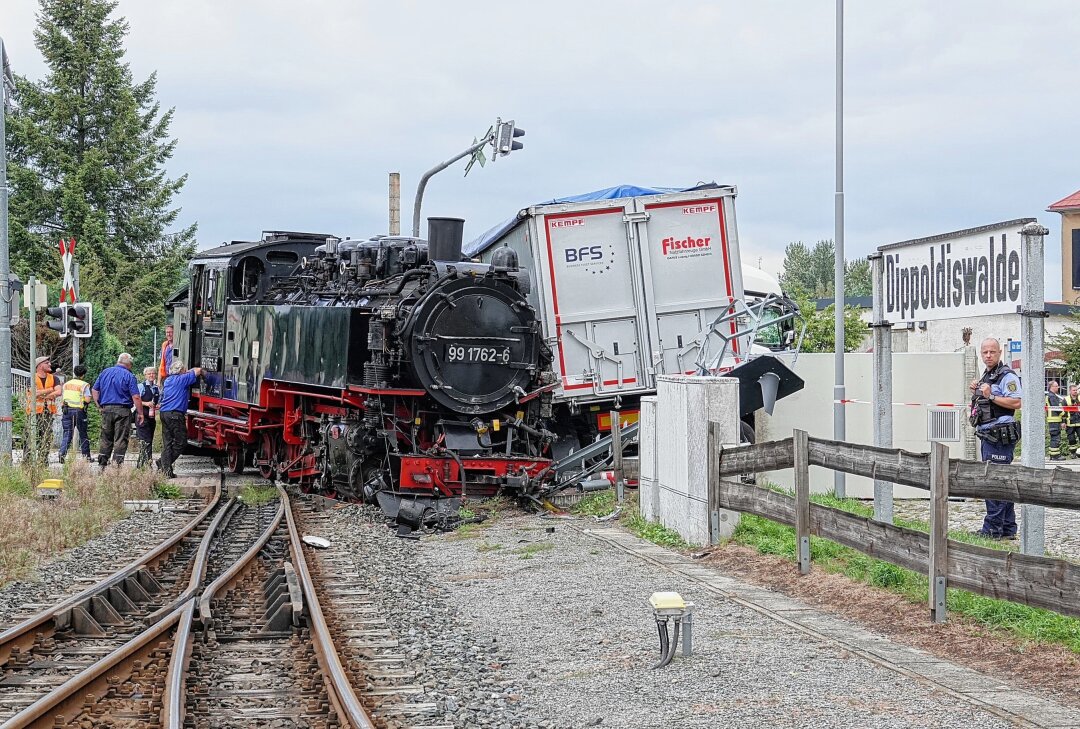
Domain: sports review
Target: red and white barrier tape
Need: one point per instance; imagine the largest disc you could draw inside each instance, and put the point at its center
(846, 401)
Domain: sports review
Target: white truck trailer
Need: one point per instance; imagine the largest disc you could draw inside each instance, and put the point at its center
(629, 284)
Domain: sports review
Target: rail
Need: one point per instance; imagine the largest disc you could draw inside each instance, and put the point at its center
(23, 634)
(1029, 580)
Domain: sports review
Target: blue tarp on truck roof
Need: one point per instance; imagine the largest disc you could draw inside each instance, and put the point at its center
(493, 235)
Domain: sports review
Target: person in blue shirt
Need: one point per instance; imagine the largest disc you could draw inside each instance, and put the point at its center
(175, 394)
(115, 392)
(995, 399)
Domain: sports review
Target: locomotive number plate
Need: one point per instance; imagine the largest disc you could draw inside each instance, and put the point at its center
(461, 353)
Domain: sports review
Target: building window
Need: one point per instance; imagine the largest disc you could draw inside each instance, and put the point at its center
(1076, 258)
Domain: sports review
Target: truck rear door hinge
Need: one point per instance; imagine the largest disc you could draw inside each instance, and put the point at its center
(640, 217)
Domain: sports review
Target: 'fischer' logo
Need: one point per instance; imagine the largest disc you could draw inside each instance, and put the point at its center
(567, 223)
(696, 209)
(681, 246)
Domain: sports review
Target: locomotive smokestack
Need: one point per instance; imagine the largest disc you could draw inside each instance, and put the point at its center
(445, 238)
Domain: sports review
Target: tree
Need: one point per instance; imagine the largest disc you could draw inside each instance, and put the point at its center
(1068, 343)
(820, 327)
(88, 147)
(809, 272)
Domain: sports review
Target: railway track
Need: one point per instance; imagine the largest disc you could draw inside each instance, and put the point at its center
(43, 651)
(244, 644)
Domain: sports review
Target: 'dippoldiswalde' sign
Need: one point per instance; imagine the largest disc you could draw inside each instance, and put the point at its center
(970, 272)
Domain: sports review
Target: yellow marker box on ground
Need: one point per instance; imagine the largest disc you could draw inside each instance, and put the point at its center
(667, 601)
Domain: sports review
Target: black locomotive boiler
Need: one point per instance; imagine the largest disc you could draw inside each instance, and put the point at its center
(369, 369)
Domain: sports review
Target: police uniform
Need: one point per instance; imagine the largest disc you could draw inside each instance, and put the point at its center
(1054, 418)
(151, 396)
(75, 394)
(999, 432)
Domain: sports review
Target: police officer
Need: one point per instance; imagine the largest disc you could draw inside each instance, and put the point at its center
(1054, 418)
(75, 395)
(1072, 422)
(115, 391)
(995, 398)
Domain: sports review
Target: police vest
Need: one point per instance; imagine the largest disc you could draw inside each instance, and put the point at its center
(47, 382)
(1054, 401)
(993, 410)
(73, 394)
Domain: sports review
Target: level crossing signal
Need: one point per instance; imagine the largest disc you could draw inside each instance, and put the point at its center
(58, 319)
(505, 134)
(80, 319)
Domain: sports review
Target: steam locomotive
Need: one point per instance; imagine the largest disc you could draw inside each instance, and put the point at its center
(374, 369)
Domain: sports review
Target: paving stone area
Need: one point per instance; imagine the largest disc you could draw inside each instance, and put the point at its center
(570, 605)
(1062, 528)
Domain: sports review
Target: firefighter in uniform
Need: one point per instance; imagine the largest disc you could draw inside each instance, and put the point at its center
(1054, 418)
(1072, 422)
(44, 407)
(76, 395)
(995, 398)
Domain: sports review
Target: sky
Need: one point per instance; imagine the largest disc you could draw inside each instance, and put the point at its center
(290, 116)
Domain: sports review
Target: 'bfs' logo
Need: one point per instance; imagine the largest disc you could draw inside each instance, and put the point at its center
(591, 258)
(584, 254)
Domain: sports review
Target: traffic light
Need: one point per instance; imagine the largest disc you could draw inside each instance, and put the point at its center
(505, 135)
(58, 319)
(81, 320)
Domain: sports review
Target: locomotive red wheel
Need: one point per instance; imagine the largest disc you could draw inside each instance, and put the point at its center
(266, 456)
(235, 459)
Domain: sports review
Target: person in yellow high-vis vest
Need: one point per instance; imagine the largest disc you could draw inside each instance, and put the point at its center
(76, 398)
(44, 407)
(1054, 418)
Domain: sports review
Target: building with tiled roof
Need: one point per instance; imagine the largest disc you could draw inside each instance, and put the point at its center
(1069, 208)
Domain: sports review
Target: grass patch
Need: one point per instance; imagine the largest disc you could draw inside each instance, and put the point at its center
(254, 494)
(36, 530)
(488, 547)
(167, 490)
(465, 531)
(1034, 624)
(602, 503)
(530, 550)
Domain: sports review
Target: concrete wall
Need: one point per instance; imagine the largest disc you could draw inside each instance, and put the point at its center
(923, 377)
(675, 429)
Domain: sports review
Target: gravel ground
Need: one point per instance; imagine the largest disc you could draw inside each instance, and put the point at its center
(1062, 525)
(569, 615)
(76, 569)
(460, 666)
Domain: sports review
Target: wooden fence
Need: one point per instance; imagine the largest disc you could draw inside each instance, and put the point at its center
(1036, 581)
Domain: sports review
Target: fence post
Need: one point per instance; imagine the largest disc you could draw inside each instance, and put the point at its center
(939, 529)
(802, 500)
(616, 453)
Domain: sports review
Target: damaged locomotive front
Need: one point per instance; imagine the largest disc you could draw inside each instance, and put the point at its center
(379, 369)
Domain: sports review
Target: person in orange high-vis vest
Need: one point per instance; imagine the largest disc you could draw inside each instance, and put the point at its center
(44, 407)
(165, 360)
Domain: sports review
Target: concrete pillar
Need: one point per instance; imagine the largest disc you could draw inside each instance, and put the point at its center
(684, 406)
(648, 487)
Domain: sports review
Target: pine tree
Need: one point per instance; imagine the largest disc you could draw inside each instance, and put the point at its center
(88, 146)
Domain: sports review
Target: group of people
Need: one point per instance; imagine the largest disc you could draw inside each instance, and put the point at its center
(1058, 418)
(120, 397)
